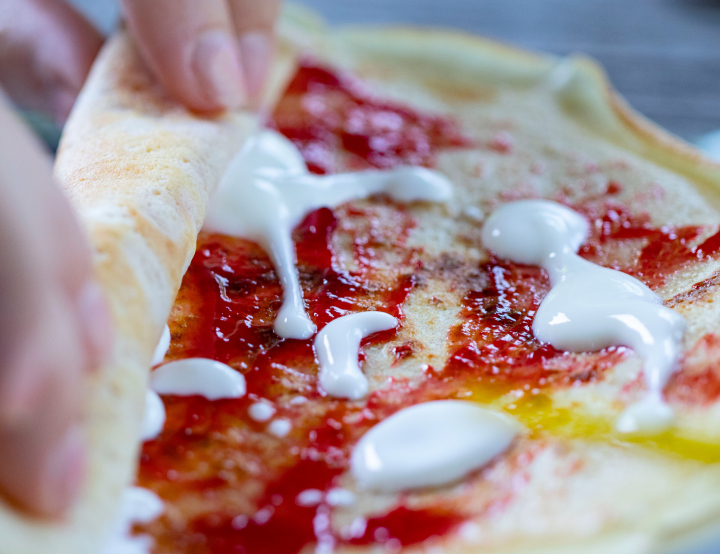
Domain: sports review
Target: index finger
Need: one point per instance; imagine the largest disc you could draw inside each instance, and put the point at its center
(190, 47)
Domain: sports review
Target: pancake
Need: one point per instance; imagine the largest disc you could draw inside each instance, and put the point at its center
(501, 125)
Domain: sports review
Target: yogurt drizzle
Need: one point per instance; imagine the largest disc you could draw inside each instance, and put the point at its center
(162, 347)
(591, 307)
(337, 348)
(154, 418)
(137, 505)
(267, 191)
(198, 376)
(430, 444)
(263, 195)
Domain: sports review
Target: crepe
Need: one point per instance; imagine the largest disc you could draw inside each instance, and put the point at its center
(139, 170)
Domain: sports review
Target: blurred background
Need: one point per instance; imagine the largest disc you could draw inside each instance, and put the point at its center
(663, 55)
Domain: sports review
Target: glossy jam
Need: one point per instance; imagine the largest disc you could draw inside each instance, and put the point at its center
(228, 485)
(628, 242)
(231, 485)
(199, 449)
(493, 342)
(336, 123)
(404, 526)
(496, 359)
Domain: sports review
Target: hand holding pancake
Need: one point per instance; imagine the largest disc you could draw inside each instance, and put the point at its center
(55, 327)
(210, 55)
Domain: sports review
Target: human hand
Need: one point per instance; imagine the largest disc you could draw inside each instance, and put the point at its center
(54, 326)
(46, 49)
(210, 55)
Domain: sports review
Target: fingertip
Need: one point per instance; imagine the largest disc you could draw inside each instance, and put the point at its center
(192, 49)
(62, 475)
(43, 465)
(216, 66)
(21, 388)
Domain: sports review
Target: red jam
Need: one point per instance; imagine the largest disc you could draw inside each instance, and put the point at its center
(654, 253)
(336, 122)
(403, 527)
(493, 342)
(228, 484)
(698, 384)
(213, 446)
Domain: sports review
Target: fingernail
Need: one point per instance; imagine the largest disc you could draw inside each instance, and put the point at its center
(216, 65)
(95, 319)
(63, 473)
(256, 51)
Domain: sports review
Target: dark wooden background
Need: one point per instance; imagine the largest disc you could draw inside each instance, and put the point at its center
(663, 55)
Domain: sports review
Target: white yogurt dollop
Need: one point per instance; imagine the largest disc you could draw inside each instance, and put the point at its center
(279, 427)
(198, 376)
(337, 346)
(154, 417)
(266, 192)
(137, 505)
(162, 347)
(261, 411)
(591, 307)
(430, 444)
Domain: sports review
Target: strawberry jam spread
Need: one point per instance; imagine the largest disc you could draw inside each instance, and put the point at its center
(230, 485)
(493, 340)
(336, 123)
(657, 253)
